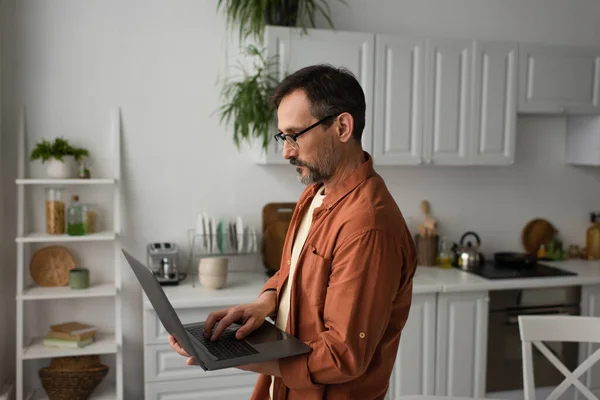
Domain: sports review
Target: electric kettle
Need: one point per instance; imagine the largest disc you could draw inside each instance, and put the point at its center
(468, 256)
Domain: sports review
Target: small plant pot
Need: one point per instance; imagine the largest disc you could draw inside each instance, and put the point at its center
(283, 14)
(58, 169)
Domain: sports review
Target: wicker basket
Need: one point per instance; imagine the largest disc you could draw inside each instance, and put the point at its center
(75, 363)
(72, 385)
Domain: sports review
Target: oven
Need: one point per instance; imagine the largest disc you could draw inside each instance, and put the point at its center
(504, 360)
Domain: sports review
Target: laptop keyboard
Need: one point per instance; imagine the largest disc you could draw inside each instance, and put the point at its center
(226, 347)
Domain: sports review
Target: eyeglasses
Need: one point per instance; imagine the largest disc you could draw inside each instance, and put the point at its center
(290, 138)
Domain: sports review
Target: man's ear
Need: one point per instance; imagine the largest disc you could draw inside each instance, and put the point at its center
(345, 126)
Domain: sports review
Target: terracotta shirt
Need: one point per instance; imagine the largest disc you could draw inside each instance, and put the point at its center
(351, 293)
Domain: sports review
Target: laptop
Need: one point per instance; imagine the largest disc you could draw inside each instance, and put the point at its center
(265, 343)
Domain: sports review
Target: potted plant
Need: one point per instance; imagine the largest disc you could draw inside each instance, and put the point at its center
(246, 101)
(60, 155)
(253, 15)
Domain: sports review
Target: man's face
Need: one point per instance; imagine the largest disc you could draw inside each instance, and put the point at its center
(315, 158)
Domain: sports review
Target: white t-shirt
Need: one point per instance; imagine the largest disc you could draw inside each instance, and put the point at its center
(284, 302)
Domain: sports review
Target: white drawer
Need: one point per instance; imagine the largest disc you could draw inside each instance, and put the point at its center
(162, 363)
(155, 332)
(217, 388)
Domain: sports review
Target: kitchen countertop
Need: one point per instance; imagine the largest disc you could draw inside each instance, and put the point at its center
(456, 280)
(245, 287)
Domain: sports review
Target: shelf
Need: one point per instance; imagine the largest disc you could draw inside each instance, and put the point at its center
(104, 344)
(52, 182)
(103, 295)
(35, 292)
(106, 394)
(42, 237)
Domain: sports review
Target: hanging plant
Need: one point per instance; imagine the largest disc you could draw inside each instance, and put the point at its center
(251, 16)
(246, 101)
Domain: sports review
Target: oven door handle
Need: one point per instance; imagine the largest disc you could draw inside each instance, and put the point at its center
(513, 319)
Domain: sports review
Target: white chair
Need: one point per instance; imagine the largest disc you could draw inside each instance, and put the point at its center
(535, 329)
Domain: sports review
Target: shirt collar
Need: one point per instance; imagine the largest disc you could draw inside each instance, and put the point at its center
(333, 196)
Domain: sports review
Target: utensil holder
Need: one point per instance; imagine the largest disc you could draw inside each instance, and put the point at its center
(427, 250)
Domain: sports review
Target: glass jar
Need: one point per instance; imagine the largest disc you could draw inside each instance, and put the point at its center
(55, 211)
(445, 256)
(83, 170)
(76, 217)
(91, 216)
(592, 238)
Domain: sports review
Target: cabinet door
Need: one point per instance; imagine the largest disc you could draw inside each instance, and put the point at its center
(559, 79)
(447, 101)
(413, 372)
(161, 363)
(462, 327)
(398, 124)
(590, 307)
(494, 106)
(294, 50)
(216, 388)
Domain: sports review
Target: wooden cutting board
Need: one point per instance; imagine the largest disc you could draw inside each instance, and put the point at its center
(276, 219)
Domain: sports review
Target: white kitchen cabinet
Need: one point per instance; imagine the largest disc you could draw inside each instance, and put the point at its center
(461, 352)
(414, 369)
(444, 101)
(219, 388)
(399, 83)
(590, 306)
(494, 103)
(559, 79)
(446, 136)
(295, 49)
(429, 100)
(167, 376)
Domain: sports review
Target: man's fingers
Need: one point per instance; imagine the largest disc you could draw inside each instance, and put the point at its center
(178, 349)
(245, 329)
(224, 323)
(191, 361)
(212, 319)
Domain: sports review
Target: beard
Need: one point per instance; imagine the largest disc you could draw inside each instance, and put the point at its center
(319, 171)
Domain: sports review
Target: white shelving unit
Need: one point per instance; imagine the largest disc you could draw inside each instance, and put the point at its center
(30, 347)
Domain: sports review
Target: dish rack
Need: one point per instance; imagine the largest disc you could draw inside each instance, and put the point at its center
(219, 245)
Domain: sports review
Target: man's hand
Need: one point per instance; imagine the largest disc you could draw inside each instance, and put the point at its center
(179, 350)
(251, 316)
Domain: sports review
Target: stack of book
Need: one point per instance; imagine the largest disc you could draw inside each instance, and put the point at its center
(70, 335)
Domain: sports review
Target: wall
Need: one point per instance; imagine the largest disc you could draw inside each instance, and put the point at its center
(7, 197)
(160, 61)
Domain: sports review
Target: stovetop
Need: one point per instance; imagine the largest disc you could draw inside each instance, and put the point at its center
(492, 271)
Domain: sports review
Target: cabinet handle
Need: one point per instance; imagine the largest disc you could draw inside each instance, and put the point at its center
(486, 299)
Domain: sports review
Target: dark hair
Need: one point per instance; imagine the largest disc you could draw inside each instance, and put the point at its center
(330, 91)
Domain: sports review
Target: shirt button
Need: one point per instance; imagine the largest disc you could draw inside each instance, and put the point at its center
(289, 262)
(362, 335)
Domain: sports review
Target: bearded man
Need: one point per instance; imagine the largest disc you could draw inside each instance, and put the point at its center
(344, 285)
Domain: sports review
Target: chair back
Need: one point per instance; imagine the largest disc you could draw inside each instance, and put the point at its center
(535, 329)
